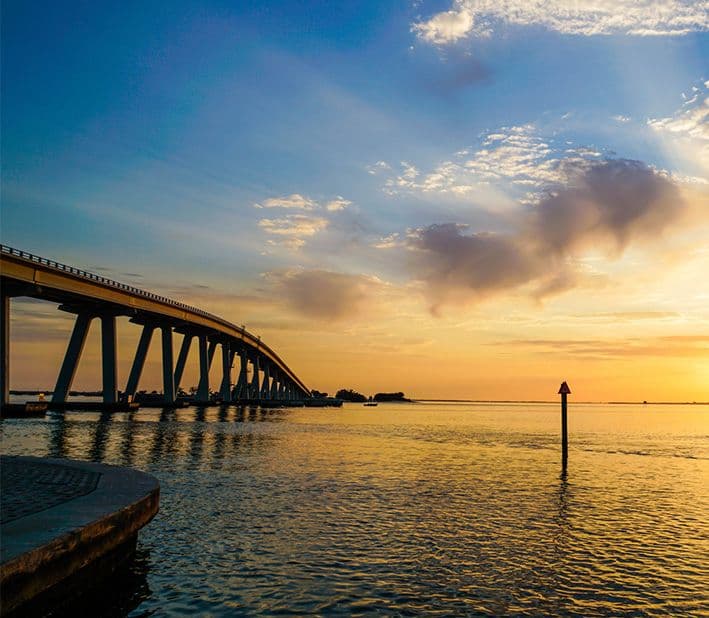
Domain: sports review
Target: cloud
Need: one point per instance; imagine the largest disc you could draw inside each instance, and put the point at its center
(584, 17)
(696, 345)
(379, 166)
(322, 294)
(446, 26)
(687, 131)
(606, 205)
(340, 203)
(616, 200)
(294, 200)
(456, 266)
(292, 229)
(389, 242)
(516, 156)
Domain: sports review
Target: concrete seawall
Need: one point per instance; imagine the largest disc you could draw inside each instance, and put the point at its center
(62, 518)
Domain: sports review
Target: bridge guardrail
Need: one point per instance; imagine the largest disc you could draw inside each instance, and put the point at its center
(77, 272)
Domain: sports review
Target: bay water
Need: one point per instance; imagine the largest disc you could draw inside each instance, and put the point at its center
(427, 508)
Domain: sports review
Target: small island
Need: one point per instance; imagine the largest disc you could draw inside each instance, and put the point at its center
(348, 394)
(397, 397)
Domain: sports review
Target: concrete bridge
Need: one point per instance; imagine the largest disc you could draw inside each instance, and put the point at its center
(91, 296)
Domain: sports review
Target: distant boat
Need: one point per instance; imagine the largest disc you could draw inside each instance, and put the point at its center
(370, 403)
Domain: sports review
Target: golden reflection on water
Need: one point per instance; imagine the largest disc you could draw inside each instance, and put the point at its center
(420, 508)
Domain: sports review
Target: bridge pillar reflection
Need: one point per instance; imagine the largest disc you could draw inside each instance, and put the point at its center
(4, 347)
(108, 358)
(71, 357)
(141, 353)
(168, 376)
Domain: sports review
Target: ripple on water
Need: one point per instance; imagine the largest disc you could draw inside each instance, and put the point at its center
(413, 510)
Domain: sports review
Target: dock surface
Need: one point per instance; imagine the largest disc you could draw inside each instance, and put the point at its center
(61, 518)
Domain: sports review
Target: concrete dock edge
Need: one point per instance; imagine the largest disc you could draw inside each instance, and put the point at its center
(43, 546)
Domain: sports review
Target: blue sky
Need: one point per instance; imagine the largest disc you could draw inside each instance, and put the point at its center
(229, 144)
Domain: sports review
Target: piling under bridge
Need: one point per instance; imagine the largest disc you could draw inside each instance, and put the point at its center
(93, 297)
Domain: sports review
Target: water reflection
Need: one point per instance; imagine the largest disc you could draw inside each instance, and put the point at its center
(163, 439)
(98, 447)
(120, 438)
(58, 436)
(117, 595)
(409, 509)
(128, 441)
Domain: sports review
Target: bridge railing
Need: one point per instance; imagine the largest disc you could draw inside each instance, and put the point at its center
(77, 272)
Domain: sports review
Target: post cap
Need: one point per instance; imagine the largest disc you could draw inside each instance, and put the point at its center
(564, 389)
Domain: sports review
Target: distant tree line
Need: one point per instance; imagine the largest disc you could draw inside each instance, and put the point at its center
(347, 394)
(390, 397)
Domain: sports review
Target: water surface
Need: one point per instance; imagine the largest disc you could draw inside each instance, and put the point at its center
(428, 508)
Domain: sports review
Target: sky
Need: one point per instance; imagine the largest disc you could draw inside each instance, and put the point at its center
(454, 199)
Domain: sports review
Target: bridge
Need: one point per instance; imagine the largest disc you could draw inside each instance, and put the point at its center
(90, 296)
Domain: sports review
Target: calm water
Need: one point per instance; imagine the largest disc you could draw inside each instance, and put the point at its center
(408, 508)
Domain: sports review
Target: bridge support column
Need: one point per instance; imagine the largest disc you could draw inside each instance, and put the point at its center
(227, 358)
(203, 386)
(266, 384)
(210, 353)
(168, 377)
(141, 352)
(274, 385)
(182, 359)
(241, 389)
(108, 358)
(71, 358)
(282, 390)
(255, 380)
(4, 347)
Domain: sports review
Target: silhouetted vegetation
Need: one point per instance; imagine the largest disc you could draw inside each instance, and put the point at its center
(317, 394)
(390, 397)
(347, 394)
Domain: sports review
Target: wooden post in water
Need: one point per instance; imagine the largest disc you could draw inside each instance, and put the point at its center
(564, 390)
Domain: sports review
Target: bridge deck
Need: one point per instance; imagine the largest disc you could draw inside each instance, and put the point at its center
(43, 278)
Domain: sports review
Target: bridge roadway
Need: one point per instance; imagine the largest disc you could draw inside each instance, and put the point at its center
(90, 296)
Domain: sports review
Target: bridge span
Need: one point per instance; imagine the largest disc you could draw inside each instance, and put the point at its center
(90, 296)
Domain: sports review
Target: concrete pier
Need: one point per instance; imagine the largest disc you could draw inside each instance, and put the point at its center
(61, 519)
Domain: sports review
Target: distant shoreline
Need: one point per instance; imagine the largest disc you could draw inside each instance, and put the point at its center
(556, 401)
(424, 399)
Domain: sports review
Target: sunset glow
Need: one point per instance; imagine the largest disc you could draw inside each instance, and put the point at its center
(472, 201)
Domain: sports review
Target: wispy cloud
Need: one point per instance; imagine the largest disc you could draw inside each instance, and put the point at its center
(602, 349)
(292, 230)
(339, 203)
(294, 200)
(584, 17)
(687, 131)
(378, 167)
(515, 158)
